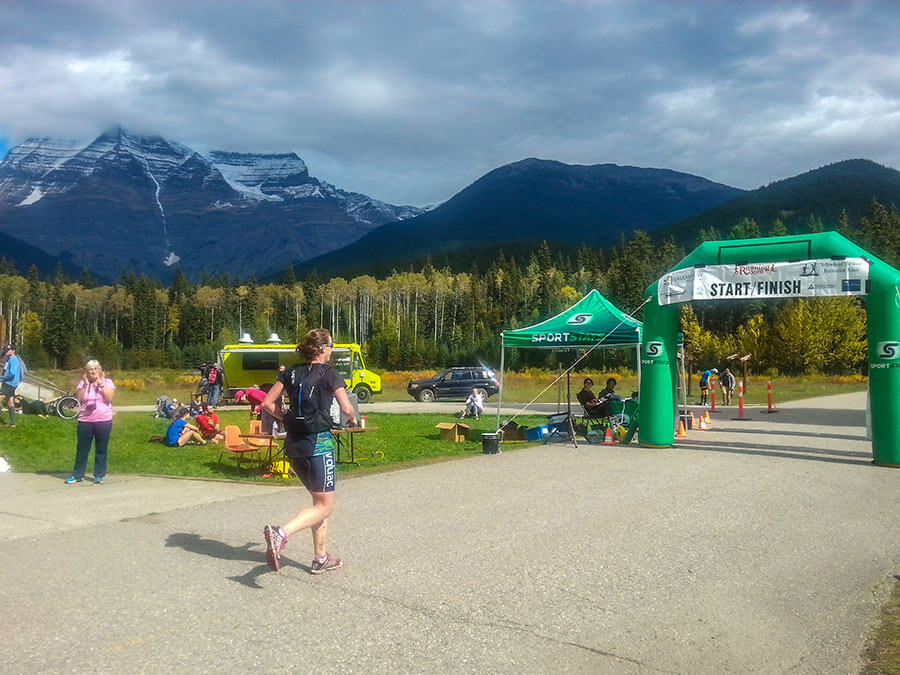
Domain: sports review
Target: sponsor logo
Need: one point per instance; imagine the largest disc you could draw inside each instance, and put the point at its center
(329, 471)
(750, 270)
(653, 349)
(672, 288)
(888, 350)
(809, 270)
(579, 319)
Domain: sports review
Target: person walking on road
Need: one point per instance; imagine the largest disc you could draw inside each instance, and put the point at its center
(726, 384)
(311, 387)
(12, 376)
(95, 393)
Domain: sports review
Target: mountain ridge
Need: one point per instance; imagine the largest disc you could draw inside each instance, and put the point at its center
(174, 204)
(541, 199)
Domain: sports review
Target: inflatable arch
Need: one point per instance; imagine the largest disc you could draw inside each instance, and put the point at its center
(813, 265)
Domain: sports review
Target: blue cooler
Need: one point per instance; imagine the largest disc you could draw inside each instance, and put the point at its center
(537, 433)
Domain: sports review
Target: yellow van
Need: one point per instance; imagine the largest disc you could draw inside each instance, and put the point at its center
(246, 365)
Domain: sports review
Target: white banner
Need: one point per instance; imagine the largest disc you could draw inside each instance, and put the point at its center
(805, 279)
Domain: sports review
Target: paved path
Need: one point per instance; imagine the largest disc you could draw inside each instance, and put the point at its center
(760, 546)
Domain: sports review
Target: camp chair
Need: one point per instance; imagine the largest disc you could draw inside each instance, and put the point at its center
(235, 445)
(590, 423)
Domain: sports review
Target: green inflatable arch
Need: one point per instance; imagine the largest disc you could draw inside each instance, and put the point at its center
(813, 265)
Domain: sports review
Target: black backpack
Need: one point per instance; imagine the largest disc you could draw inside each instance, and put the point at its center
(310, 402)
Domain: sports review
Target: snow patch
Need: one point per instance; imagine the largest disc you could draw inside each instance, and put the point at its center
(171, 259)
(35, 195)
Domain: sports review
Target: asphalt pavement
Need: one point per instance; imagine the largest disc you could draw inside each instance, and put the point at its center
(763, 545)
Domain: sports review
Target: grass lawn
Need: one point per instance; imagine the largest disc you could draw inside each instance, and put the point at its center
(144, 386)
(883, 652)
(48, 445)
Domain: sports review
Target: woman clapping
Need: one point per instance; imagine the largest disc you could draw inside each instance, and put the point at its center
(95, 392)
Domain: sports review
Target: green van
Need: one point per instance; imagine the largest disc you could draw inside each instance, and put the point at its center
(246, 365)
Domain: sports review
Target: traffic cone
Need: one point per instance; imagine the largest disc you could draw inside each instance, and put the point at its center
(703, 426)
(608, 439)
(706, 417)
(693, 421)
(681, 432)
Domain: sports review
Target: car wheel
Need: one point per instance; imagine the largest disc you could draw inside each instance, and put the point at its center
(363, 393)
(426, 396)
(483, 393)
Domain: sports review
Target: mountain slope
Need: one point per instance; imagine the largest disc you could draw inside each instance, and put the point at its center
(849, 185)
(540, 200)
(125, 202)
(23, 256)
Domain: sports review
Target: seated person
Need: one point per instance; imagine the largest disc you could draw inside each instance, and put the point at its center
(195, 406)
(254, 396)
(208, 423)
(598, 406)
(474, 405)
(180, 432)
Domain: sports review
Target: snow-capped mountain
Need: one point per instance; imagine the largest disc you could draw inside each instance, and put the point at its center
(141, 203)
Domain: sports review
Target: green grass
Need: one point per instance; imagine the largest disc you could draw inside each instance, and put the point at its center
(883, 652)
(42, 445)
(144, 386)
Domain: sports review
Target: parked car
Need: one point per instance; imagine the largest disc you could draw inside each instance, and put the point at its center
(455, 383)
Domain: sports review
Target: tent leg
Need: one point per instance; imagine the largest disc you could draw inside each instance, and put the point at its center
(500, 393)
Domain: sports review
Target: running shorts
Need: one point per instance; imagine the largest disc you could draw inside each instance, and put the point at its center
(312, 459)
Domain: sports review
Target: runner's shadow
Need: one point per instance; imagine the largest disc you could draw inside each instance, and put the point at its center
(219, 549)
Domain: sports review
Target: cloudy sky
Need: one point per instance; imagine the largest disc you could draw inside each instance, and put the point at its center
(409, 102)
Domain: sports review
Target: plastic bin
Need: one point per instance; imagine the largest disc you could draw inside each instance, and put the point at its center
(537, 433)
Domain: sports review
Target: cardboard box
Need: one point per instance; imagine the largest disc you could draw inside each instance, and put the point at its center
(453, 431)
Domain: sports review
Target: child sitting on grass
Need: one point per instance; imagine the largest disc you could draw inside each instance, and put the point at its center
(180, 432)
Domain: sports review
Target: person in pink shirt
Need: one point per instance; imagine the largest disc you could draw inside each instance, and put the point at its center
(95, 392)
(254, 397)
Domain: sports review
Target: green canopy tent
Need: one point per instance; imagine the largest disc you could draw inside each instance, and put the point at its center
(592, 321)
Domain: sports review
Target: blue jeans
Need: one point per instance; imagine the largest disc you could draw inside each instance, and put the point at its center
(212, 397)
(98, 434)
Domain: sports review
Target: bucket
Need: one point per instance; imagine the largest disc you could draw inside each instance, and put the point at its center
(490, 443)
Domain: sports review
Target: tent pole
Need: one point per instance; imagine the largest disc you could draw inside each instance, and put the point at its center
(683, 382)
(500, 393)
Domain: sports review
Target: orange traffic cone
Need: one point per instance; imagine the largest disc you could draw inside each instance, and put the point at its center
(703, 426)
(681, 432)
(693, 421)
(706, 417)
(608, 439)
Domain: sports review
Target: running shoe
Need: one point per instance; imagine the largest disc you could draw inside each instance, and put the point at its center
(98, 480)
(329, 563)
(71, 480)
(276, 541)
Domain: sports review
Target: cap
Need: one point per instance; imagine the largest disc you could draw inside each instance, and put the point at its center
(715, 371)
(238, 395)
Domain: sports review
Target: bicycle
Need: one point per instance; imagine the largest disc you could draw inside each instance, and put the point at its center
(66, 406)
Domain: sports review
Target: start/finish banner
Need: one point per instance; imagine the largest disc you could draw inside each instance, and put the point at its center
(805, 279)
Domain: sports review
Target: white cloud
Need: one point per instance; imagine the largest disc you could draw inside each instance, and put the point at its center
(410, 102)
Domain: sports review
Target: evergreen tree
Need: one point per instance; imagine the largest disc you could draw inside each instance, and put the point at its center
(7, 267)
(778, 228)
(745, 229)
(85, 280)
